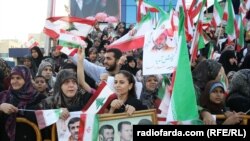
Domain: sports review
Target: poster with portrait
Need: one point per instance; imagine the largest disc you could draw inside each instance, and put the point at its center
(115, 127)
(68, 130)
(89, 8)
(160, 51)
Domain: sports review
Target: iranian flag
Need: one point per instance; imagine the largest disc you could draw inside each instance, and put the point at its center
(70, 40)
(68, 51)
(240, 35)
(47, 117)
(134, 39)
(183, 104)
(229, 18)
(144, 7)
(103, 96)
(88, 129)
(217, 14)
(199, 40)
(77, 26)
(195, 9)
(211, 52)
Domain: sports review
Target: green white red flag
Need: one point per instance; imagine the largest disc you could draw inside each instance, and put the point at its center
(229, 18)
(47, 117)
(240, 35)
(183, 104)
(199, 39)
(143, 7)
(71, 41)
(217, 14)
(89, 126)
(134, 39)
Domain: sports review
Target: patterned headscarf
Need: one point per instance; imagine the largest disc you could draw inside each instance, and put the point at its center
(148, 97)
(19, 98)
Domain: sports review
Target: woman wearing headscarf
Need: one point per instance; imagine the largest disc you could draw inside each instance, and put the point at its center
(228, 60)
(205, 71)
(213, 100)
(28, 62)
(37, 55)
(46, 69)
(239, 91)
(67, 94)
(130, 65)
(20, 95)
(6, 73)
(149, 92)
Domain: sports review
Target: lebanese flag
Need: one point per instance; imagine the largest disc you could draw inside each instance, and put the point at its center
(77, 26)
(134, 39)
(183, 104)
(217, 14)
(229, 18)
(47, 117)
(31, 42)
(88, 129)
(100, 100)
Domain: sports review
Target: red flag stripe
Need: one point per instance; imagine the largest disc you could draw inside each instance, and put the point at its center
(82, 126)
(94, 96)
(128, 45)
(40, 119)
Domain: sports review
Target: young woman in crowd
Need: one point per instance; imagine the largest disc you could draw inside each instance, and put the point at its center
(213, 100)
(126, 101)
(20, 95)
(66, 95)
(29, 63)
(37, 55)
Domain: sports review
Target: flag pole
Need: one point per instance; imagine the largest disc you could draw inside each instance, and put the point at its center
(219, 35)
(50, 13)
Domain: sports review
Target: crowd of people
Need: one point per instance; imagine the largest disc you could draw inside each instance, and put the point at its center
(59, 81)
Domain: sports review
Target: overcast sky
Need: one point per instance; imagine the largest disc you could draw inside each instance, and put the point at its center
(18, 18)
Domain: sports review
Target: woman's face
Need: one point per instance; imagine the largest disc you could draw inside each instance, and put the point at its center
(34, 54)
(132, 64)
(233, 61)
(217, 95)
(69, 87)
(121, 84)
(16, 82)
(151, 83)
(47, 72)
